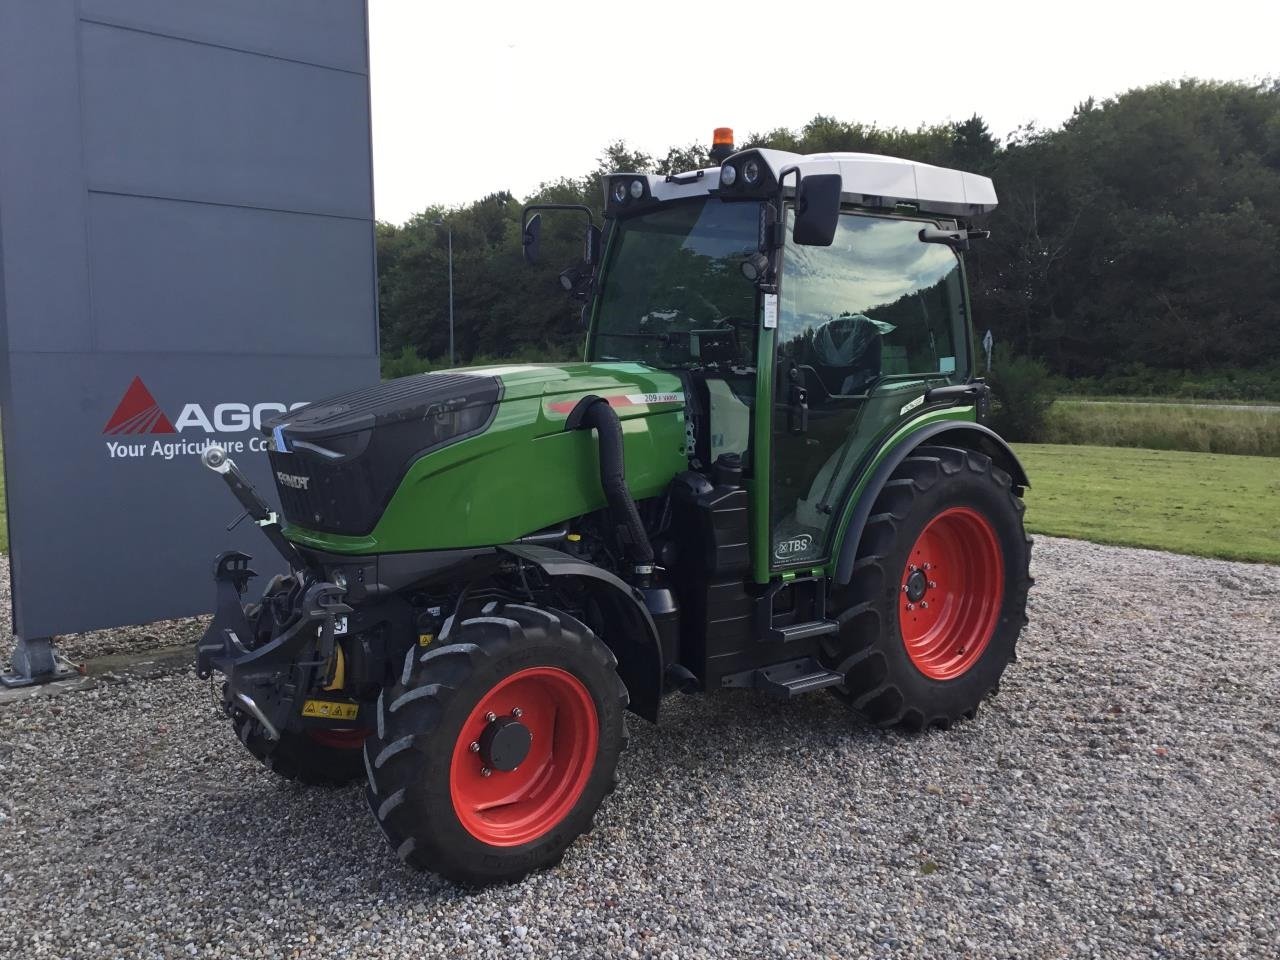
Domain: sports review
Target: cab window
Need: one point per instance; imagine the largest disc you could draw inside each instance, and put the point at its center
(864, 325)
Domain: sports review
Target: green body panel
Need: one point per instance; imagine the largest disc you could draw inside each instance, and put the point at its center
(525, 472)
(959, 414)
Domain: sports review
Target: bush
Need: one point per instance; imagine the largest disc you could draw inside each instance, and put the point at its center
(1230, 384)
(403, 364)
(1022, 394)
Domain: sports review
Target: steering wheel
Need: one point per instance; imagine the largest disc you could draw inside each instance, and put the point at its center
(841, 341)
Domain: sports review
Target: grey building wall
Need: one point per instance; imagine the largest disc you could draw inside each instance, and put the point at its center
(185, 198)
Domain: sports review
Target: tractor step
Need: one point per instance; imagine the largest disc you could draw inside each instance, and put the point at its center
(803, 631)
(788, 679)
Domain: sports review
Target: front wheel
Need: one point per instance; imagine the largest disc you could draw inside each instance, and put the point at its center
(938, 595)
(494, 750)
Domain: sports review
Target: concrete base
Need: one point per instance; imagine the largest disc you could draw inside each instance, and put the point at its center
(35, 662)
(112, 669)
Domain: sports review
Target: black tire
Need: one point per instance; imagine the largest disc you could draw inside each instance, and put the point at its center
(884, 682)
(298, 756)
(423, 720)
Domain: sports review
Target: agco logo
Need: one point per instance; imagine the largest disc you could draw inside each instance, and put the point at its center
(793, 547)
(139, 413)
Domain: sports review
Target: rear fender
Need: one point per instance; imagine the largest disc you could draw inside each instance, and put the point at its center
(950, 433)
(634, 640)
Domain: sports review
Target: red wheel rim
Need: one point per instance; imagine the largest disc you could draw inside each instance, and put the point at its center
(952, 588)
(339, 739)
(508, 808)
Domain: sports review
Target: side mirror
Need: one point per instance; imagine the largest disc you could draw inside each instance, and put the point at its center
(591, 249)
(531, 238)
(817, 209)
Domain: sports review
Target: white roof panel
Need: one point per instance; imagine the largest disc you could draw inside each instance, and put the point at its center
(864, 175)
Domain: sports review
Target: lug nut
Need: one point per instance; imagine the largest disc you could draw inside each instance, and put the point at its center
(475, 747)
(491, 716)
(933, 584)
(911, 606)
(924, 604)
(517, 712)
(928, 566)
(904, 588)
(486, 772)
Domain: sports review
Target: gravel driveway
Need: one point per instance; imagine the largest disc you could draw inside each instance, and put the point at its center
(1120, 797)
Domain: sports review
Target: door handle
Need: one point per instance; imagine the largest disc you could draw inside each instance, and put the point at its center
(798, 409)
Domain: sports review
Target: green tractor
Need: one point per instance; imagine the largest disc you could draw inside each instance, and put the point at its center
(769, 472)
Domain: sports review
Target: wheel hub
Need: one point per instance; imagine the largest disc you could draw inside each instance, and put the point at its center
(504, 744)
(952, 590)
(524, 756)
(916, 585)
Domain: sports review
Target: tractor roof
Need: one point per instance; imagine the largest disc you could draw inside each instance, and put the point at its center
(868, 180)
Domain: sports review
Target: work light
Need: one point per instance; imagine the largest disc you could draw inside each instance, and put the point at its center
(637, 189)
(620, 191)
(728, 175)
(751, 172)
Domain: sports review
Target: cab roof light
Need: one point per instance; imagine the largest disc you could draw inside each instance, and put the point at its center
(626, 190)
(721, 144)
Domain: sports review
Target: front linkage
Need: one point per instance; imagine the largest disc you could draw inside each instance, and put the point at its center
(283, 649)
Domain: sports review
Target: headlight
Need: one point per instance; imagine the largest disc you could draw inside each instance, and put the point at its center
(637, 189)
(728, 175)
(620, 192)
(751, 172)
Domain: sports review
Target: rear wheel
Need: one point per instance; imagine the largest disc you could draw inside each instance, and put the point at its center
(494, 751)
(938, 595)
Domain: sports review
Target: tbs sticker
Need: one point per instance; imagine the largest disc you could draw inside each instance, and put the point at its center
(793, 548)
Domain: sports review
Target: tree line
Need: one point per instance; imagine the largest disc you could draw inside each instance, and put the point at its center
(1137, 244)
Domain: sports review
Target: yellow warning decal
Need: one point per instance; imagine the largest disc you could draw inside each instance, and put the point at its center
(426, 639)
(330, 710)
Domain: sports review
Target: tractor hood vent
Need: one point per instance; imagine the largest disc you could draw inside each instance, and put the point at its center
(338, 462)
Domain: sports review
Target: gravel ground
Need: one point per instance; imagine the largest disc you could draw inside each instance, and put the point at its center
(1121, 797)
(79, 647)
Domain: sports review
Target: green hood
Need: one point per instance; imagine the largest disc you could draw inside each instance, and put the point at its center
(525, 472)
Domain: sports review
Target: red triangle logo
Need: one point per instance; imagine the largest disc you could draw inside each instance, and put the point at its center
(138, 412)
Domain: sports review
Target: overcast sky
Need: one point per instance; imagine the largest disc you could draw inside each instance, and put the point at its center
(465, 94)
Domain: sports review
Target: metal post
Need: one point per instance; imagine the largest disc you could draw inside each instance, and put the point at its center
(34, 662)
(450, 229)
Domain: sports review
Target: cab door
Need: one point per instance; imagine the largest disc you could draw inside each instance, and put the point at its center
(864, 326)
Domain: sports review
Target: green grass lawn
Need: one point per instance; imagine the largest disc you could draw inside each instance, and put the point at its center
(1213, 505)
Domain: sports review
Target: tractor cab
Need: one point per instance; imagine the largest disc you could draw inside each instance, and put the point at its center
(811, 305)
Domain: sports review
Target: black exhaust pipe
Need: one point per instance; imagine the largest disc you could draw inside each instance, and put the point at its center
(595, 413)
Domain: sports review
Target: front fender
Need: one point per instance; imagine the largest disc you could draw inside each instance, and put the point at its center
(637, 643)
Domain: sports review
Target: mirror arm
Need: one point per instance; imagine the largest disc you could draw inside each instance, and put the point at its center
(534, 207)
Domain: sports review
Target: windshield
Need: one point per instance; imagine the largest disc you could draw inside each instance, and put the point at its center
(674, 294)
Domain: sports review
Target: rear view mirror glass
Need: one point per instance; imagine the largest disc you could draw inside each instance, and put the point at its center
(532, 238)
(817, 209)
